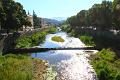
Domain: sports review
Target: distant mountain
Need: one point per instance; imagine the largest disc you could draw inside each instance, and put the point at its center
(59, 18)
(52, 21)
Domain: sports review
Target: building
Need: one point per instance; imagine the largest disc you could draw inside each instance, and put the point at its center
(43, 23)
(27, 28)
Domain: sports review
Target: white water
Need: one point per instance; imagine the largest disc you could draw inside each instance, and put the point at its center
(69, 64)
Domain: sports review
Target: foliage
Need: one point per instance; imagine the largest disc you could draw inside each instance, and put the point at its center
(116, 13)
(104, 16)
(87, 40)
(12, 15)
(34, 39)
(52, 30)
(24, 42)
(106, 63)
(29, 41)
(36, 21)
(38, 38)
(97, 22)
(57, 39)
(103, 75)
(117, 77)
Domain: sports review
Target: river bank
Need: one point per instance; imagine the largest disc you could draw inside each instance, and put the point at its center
(106, 62)
(23, 67)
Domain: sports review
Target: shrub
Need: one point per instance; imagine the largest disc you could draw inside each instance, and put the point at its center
(24, 42)
(52, 30)
(87, 40)
(106, 61)
(38, 38)
(103, 75)
(57, 39)
(117, 77)
(29, 41)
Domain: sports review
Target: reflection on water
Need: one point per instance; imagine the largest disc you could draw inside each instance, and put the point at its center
(69, 64)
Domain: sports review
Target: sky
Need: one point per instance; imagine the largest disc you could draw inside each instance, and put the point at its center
(57, 8)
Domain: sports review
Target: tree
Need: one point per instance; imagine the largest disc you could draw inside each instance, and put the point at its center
(116, 14)
(1, 9)
(82, 18)
(36, 21)
(99, 16)
(13, 15)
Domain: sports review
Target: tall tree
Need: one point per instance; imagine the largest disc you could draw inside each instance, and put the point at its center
(36, 20)
(14, 15)
(116, 14)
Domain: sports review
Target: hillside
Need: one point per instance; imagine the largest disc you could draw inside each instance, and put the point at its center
(52, 21)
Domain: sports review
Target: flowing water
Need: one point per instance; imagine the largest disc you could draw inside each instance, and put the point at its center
(69, 64)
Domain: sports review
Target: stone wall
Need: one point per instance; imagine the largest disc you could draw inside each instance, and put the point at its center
(8, 42)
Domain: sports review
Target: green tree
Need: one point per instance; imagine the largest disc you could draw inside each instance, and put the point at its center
(116, 14)
(36, 21)
(13, 15)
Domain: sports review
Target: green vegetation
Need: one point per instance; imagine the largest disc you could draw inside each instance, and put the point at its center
(57, 39)
(36, 20)
(34, 39)
(14, 67)
(104, 16)
(52, 30)
(12, 15)
(106, 65)
(97, 22)
(87, 40)
(19, 67)
(29, 41)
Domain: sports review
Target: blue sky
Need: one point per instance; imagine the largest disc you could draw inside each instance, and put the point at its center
(57, 8)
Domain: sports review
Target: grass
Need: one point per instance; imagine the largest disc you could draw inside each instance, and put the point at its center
(57, 39)
(106, 65)
(14, 67)
(19, 67)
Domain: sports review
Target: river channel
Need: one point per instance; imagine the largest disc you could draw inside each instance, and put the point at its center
(69, 64)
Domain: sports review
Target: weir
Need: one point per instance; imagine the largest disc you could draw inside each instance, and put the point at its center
(33, 50)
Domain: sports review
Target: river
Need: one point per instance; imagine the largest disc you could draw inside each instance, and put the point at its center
(69, 64)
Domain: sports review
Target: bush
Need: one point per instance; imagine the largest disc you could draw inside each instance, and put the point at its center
(34, 39)
(103, 75)
(104, 62)
(29, 41)
(38, 38)
(117, 77)
(87, 40)
(24, 42)
(52, 30)
(57, 39)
